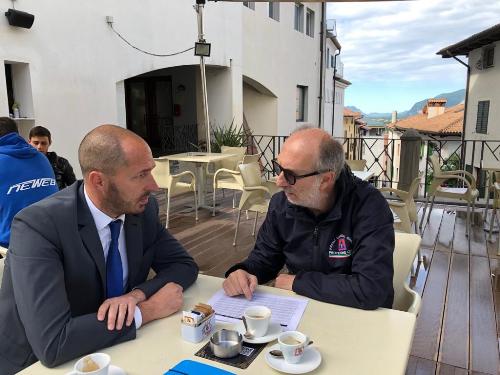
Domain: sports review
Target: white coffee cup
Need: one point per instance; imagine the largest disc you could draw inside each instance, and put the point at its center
(292, 344)
(101, 359)
(258, 318)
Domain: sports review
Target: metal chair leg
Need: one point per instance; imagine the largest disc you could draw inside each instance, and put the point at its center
(234, 200)
(195, 205)
(255, 223)
(213, 208)
(168, 207)
(430, 209)
(467, 222)
(423, 214)
(237, 225)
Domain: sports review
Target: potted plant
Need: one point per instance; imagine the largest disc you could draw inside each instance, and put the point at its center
(15, 110)
(231, 135)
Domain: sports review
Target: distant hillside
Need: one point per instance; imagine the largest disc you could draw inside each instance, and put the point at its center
(374, 118)
(355, 109)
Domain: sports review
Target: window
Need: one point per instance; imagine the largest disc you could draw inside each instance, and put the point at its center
(310, 23)
(301, 104)
(488, 57)
(298, 23)
(483, 108)
(332, 63)
(249, 4)
(274, 11)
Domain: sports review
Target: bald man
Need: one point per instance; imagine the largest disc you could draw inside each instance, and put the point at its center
(75, 278)
(333, 231)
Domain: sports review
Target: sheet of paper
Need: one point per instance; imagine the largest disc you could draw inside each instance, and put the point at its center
(285, 310)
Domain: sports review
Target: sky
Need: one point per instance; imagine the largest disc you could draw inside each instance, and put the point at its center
(389, 48)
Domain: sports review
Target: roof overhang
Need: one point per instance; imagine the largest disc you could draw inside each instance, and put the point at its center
(473, 42)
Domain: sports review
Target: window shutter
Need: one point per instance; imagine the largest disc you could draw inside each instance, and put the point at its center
(483, 109)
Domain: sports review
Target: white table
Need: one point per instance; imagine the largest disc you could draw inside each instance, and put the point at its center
(363, 175)
(351, 341)
(200, 159)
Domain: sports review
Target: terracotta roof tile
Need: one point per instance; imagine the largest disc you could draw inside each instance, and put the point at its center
(349, 113)
(451, 122)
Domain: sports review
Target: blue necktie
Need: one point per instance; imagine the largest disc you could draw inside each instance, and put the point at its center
(114, 270)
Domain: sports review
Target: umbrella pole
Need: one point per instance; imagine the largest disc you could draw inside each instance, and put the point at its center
(199, 10)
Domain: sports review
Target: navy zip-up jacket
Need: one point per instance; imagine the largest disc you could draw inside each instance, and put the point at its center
(342, 257)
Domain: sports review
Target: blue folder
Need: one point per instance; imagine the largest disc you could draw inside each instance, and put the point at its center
(188, 367)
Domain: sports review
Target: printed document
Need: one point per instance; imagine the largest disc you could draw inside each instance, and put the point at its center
(285, 310)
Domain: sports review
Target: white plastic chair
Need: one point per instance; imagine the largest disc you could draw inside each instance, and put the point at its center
(468, 193)
(405, 250)
(356, 165)
(3, 251)
(2, 261)
(256, 194)
(174, 184)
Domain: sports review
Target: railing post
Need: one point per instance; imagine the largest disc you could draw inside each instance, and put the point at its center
(409, 158)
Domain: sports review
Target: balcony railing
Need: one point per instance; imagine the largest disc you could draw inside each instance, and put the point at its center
(383, 156)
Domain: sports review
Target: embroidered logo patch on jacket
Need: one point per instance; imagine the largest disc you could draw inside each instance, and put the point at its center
(340, 247)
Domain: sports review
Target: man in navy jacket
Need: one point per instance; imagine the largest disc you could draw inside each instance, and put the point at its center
(333, 231)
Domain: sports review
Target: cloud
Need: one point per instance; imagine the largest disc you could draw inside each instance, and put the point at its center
(397, 41)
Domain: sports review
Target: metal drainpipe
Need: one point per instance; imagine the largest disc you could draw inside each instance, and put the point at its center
(462, 151)
(321, 66)
(337, 52)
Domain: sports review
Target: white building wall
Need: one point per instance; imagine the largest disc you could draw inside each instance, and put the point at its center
(484, 85)
(331, 99)
(281, 58)
(76, 65)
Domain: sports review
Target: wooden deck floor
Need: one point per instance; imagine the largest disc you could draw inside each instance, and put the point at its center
(457, 329)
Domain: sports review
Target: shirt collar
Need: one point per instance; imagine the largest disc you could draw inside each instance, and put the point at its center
(101, 220)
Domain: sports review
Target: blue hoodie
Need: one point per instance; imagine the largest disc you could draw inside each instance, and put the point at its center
(25, 178)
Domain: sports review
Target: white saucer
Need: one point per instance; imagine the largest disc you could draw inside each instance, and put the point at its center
(112, 370)
(309, 362)
(115, 370)
(273, 331)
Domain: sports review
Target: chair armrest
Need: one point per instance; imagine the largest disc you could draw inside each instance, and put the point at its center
(185, 173)
(257, 188)
(445, 177)
(462, 172)
(224, 170)
(415, 305)
(399, 193)
(271, 186)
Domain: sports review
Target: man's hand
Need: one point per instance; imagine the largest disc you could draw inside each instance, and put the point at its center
(164, 302)
(240, 282)
(119, 308)
(284, 281)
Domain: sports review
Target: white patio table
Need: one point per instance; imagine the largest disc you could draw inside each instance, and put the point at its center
(351, 341)
(200, 159)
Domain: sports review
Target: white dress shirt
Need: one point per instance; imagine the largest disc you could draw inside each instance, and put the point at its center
(102, 221)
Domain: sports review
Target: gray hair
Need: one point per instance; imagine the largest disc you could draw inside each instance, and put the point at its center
(331, 156)
(101, 150)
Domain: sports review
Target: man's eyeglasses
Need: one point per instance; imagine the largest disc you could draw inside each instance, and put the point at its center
(290, 177)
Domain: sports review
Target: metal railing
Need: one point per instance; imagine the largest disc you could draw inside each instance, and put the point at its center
(382, 156)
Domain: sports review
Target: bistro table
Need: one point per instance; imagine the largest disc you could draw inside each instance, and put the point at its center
(200, 159)
(363, 175)
(351, 341)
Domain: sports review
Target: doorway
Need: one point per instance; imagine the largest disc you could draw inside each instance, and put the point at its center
(149, 104)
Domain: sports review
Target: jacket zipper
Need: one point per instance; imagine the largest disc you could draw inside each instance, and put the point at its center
(316, 258)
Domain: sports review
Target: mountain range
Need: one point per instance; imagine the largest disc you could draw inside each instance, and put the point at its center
(453, 98)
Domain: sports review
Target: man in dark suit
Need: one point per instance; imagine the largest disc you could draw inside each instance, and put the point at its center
(75, 278)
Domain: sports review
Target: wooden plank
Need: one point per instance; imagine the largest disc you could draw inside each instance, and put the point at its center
(460, 240)
(477, 241)
(483, 333)
(444, 369)
(495, 272)
(445, 237)
(431, 230)
(420, 366)
(454, 348)
(428, 327)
